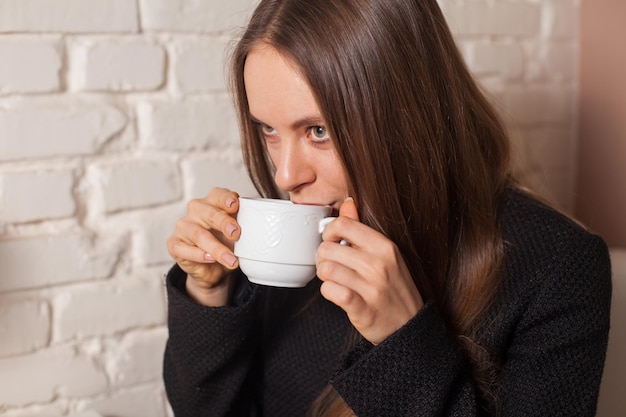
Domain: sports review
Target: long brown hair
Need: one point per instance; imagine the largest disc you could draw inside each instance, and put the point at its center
(426, 156)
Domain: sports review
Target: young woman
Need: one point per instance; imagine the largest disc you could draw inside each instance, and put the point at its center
(460, 294)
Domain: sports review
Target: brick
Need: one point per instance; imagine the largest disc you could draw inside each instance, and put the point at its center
(202, 174)
(113, 65)
(200, 65)
(29, 65)
(52, 260)
(137, 358)
(137, 402)
(503, 60)
(194, 16)
(49, 196)
(68, 16)
(189, 125)
(562, 19)
(152, 234)
(48, 410)
(556, 62)
(61, 129)
(46, 374)
(25, 327)
(108, 308)
(479, 18)
(137, 183)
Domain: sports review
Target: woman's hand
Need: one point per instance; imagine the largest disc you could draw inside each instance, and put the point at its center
(202, 245)
(368, 278)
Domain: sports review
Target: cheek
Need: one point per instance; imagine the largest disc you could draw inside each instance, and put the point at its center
(273, 152)
(336, 175)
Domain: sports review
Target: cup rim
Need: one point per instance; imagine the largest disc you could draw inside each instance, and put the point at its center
(282, 202)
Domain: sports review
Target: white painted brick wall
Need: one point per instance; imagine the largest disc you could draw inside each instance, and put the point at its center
(137, 183)
(107, 308)
(114, 113)
(69, 16)
(41, 376)
(207, 172)
(193, 16)
(192, 124)
(30, 65)
(495, 18)
(562, 19)
(59, 258)
(137, 357)
(199, 64)
(65, 127)
(132, 64)
(503, 60)
(50, 195)
(17, 338)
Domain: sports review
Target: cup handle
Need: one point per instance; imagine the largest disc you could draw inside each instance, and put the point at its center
(322, 225)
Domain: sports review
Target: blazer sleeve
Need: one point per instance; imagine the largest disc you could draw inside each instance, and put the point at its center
(417, 371)
(209, 356)
(551, 358)
(555, 362)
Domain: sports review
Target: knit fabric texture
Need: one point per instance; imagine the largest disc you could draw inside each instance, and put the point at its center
(272, 351)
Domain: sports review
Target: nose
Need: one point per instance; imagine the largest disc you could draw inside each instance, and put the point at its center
(293, 169)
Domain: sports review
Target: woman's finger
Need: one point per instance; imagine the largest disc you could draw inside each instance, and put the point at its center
(344, 229)
(344, 297)
(223, 199)
(367, 252)
(209, 244)
(209, 217)
(343, 287)
(182, 251)
(348, 209)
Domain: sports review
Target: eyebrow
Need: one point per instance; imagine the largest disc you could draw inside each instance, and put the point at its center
(303, 122)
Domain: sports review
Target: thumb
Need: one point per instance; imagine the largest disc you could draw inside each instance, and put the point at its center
(348, 209)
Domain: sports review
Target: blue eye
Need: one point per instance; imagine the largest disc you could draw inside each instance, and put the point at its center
(319, 133)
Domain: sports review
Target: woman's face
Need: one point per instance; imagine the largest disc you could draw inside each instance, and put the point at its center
(288, 118)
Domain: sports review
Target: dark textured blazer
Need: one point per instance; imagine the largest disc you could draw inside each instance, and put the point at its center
(272, 351)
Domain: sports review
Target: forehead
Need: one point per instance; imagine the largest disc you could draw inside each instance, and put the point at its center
(275, 86)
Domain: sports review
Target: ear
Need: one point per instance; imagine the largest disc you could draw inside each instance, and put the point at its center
(348, 209)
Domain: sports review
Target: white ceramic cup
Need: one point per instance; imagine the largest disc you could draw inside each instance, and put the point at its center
(278, 241)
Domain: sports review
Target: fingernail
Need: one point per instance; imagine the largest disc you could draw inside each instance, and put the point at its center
(348, 199)
(230, 202)
(208, 257)
(230, 229)
(229, 259)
